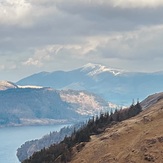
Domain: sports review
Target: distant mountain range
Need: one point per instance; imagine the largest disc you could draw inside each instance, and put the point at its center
(114, 85)
(32, 105)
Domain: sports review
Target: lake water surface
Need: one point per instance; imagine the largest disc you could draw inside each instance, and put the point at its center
(11, 138)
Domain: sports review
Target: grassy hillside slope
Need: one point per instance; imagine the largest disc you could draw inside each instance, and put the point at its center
(137, 140)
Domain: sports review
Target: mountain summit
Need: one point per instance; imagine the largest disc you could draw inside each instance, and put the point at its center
(118, 86)
(96, 69)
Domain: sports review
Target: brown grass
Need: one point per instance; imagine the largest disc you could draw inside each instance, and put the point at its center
(137, 140)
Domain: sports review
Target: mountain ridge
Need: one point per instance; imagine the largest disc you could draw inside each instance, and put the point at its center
(33, 105)
(117, 86)
(4, 85)
(138, 139)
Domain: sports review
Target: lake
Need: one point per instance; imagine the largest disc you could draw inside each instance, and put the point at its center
(12, 138)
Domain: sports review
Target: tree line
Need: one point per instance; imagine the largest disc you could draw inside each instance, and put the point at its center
(62, 152)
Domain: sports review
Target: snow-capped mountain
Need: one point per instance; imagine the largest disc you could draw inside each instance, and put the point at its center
(96, 69)
(31, 105)
(118, 86)
(80, 77)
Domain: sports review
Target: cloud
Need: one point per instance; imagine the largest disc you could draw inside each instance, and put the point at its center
(49, 35)
(105, 16)
(117, 3)
(56, 52)
(144, 44)
(140, 45)
(13, 12)
(2, 67)
(42, 55)
(137, 3)
(48, 22)
(24, 13)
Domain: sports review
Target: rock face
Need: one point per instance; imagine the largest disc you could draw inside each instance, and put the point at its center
(137, 140)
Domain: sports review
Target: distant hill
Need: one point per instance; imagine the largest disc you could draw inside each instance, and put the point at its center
(4, 85)
(30, 105)
(114, 85)
(30, 147)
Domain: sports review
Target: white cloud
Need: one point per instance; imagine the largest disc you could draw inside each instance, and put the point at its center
(142, 44)
(136, 46)
(33, 62)
(13, 12)
(2, 67)
(29, 12)
(58, 52)
(24, 13)
(48, 35)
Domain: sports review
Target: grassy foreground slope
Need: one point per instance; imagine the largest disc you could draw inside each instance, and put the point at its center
(136, 140)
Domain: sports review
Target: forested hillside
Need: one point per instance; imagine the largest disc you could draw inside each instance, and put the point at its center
(63, 151)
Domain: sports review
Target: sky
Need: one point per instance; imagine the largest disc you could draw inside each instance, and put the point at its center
(50, 35)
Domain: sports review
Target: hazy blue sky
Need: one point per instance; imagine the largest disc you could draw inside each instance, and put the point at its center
(49, 35)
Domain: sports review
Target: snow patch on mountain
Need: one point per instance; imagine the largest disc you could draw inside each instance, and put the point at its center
(30, 86)
(95, 69)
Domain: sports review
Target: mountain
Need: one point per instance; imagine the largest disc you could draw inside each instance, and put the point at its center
(31, 105)
(139, 139)
(114, 85)
(128, 135)
(85, 103)
(151, 100)
(4, 85)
